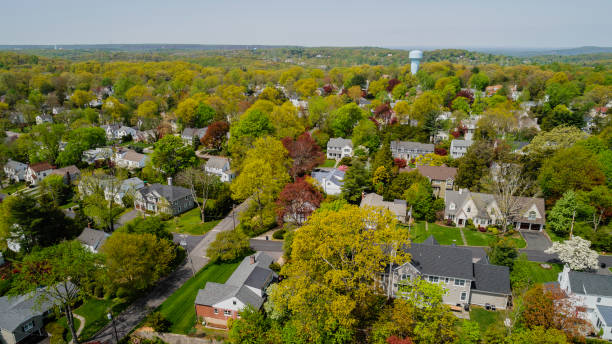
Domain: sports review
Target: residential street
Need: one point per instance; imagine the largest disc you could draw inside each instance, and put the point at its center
(137, 311)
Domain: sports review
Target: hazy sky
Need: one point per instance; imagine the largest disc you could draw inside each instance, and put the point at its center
(407, 23)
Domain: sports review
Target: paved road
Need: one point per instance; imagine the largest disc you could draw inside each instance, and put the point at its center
(137, 311)
(266, 245)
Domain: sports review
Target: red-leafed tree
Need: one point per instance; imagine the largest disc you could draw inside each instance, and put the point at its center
(297, 201)
(398, 340)
(399, 162)
(392, 83)
(305, 152)
(383, 111)
(440, 151)
(466, 94)
(215, 134)
(328, 89)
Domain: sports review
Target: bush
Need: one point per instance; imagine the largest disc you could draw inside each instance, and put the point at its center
(347, 161)
(56, 331)
(99, 291)
(482, 229)
(122, 292)
(279, 234)
(158, 322)
(470, 225)
(493, 230)
(450, 222)
(275, 267)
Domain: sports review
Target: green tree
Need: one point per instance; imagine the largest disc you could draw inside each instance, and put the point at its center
(383, 157)
(54, 189)
(356, 181)
(229, 246)
(150, 224)
(419, 197)
(345, 118)
(81, 98)
(473, 166)
(503, 252)
(366, 134)
(171, 156)
(479, 81)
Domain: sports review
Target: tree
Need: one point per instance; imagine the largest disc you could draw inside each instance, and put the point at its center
(474, 165)
(503, 251)
(54, 189)
(229, 246)
(426, 105)
(136, 261)
(47, 137)
(506, 184)
(383, 157)
(305, 87)
(215, 135)
(600, 198)
(98, 192)
(334, 265)
(171, 156)
(65, 271)
(419, 197)
(305, 153)
(430, 159)
(79, 140)
(356, 182)
(354, 92)
(479, 81)
(199, 184)
(344, 119)
(564, 211)
(273, 94)
(150, 224)
(561, 115)
(402, 182)
(366, 133)
(576, 253)
(546, 143)
(81, 98)
(297, 201)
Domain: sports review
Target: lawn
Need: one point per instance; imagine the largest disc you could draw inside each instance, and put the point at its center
(541, 275)
(329, 163)
(485, 318)
(190, 223)
(554, 237)
(94, 311)
(179, 307)
(443, 235)
(477, 238)
(9, 190)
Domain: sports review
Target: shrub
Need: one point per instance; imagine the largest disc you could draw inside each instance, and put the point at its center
(450, 222)
(275, 267)
(493, 230)
(56, 331)
(482, 229)
(470, 225)
(346, 161)
(158, 322)
(279, 234)
(229, 246)
(122, 292)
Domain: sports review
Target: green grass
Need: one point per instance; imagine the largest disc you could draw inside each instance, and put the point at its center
(94, 311)
(68, 205)
(189, 222)
(485, 318)
(443, 235)
(9, 190)
(329, 163)
(179, 308)
(477, 238)
(554, 237)
(67, 334)
(541, 275)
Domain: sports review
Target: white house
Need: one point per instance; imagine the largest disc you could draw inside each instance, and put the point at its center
(189, 135)
(37, 172)
(90, 156)
(93, 239)
(338, 148)
(458, 148)
(128, 187)
(44, 118)
(219, 166)
(592, 292)
(15, 170)
(331, 180)
(130, 159)
(408, 150)
(111, 130)
(470, 127)
(124, 131)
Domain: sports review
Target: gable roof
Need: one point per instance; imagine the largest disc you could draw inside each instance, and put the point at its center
(606, 314)
(492, 278)
(191, 132)
(214, 293)
(409, 145)
(71, 170)
(18, 309)
(244, 270)
(431, 241)
(217, 162)
(339, 142)
(590, 283)
(461, 143)
(434, 172)
(170, 192)
(333, 175)
(438, 260)
(15, 165)
(41, 166)
(397, 207)
(93, 237)
(132, 155)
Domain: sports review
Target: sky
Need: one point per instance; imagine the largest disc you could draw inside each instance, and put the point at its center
(382, 23)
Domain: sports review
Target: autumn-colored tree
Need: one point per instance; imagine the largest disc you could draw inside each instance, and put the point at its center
(354, 93)
(392, 83)
(383, 111)
(399, 162)
(297, 201)
(305, 152)
(215, 135)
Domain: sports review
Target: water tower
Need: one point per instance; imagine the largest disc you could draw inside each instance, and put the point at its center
(415, 59)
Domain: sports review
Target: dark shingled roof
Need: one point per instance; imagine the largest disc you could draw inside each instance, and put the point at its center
(214, 293)
(448, 261)
(259, 277)
(606, 313)
(593, 284)
(431, 241)
(492, 278)
(169, 192)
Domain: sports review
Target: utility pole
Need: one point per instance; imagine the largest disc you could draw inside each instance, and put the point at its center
(112, 319)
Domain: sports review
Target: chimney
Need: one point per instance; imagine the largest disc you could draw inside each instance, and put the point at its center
(252, 259)
(170, 181)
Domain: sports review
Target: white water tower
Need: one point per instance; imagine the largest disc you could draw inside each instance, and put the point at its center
(415, 59)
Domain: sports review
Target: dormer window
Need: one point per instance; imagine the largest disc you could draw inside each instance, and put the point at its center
(532, 215)
(468, 210)
(451, 206)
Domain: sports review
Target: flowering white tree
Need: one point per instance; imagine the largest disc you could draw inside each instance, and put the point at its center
(576, 253)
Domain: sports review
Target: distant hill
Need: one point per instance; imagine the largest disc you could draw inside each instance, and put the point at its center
(139, 47)
(557, 52)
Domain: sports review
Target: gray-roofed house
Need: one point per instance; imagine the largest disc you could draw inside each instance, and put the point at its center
(592, 292)
(217, 303)
(159, 198)
(331, 180)
(220, 166)
(483, 210)
(408, 150)
(338, 148)
(398, 207)
(69, 173)
(93, 239)
(466, 281)
(15, 171)
(459, 148)
(130, 159)
(91, 156)
(189, 135)
(22, 316)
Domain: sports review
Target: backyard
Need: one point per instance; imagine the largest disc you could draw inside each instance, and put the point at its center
(329, 163)
(94, 311)
(541, 275)
(190, 223)
(485, 318)
(179, 308)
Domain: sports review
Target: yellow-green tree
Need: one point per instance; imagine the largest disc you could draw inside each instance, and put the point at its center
(305, 87)
(430, 159)
(332, 277)
(81, 98)
(285, 120)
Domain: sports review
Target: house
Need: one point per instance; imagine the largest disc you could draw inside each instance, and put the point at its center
(220, 166)
(397, 207)
(93, 239)
(217, 303)
(159, 198)
(69, 173)
(91, 156)
(130, 159)
(144, 136)
(37, 172)
(491, 90)
(442, 178)
(44, 118)
(189, 135)
(338, 148)
(23, 316)
(128, 187)
(331, 180)
(15, 171)
(124, 131)
(592, 292)
(466, 279)
(112, 187)
(410, 150)
(469, 126)
(111, 130)
(483, 210)
(458, 148)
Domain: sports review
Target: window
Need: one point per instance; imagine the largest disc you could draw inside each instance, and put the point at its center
(598, 299)
(468, 210)
(433, 279)
(28, 327)
(532, 215)
(227, 313)
(451, 206)
(459, 282)
(463, 296)
(446, 280)
(216, 311)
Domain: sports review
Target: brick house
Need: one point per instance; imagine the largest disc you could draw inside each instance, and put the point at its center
(217, 303)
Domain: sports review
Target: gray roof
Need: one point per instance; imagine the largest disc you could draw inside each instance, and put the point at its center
(259, 278)
(397, 207)
(170, 192)
(214, 293)
(244, 270)
(438, 260)
(408, 145)
(461, 143)
(93, 237)
(15, 165)
(431, 241)
(15, 310)
(333, 175)
(339, 142)
(492, 278)
(191, 132)
(217, 162)
(590, 283)
(606, 313)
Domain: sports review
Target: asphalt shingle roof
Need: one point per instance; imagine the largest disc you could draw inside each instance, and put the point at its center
(217, 162)
(169, 192)
(592, 284)
(606, 313)
(93, 237)
(492, 278)
(437, 260)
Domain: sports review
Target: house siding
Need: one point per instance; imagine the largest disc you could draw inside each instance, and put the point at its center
(481, 298)
(207, 313)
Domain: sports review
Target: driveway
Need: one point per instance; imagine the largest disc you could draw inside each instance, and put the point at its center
(127, 217)
(536, 241)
